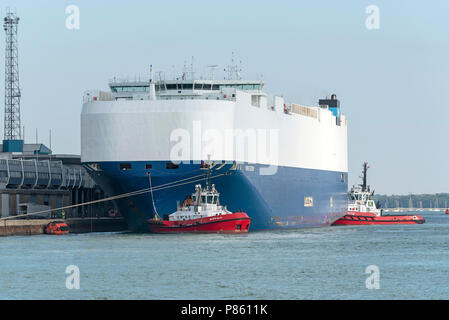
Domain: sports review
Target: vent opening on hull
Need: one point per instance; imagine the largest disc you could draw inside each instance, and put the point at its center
(125, 166)
(171, 165)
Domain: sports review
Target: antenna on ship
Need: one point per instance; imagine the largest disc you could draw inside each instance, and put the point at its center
(364, 172)
(152, 87)
(159, 75)
(233, 70)
(192, 70)
(212, 70)
(208, 174)
(184, 72)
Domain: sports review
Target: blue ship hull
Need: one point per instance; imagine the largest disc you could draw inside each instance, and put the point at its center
(272, 201)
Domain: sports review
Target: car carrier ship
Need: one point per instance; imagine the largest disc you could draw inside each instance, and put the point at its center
(282, 163)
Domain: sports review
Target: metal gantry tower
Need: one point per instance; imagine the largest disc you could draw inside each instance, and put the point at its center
(12, 90)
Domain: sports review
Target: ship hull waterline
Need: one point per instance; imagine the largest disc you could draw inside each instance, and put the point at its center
(272, 201)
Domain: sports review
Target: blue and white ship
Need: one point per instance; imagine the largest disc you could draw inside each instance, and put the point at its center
(282, 163)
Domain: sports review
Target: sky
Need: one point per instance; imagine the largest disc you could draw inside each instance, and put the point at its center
(392, 81)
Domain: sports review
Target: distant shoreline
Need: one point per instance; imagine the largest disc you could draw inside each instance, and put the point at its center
(416, 201)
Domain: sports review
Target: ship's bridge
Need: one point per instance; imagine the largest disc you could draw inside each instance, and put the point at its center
(130, 90)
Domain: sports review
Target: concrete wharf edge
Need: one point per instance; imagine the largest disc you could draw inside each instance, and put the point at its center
(24, 227)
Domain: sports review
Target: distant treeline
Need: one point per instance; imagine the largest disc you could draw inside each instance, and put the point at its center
(438, 200)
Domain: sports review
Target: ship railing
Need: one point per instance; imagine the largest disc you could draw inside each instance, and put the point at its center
(304, 111)
(98, 95)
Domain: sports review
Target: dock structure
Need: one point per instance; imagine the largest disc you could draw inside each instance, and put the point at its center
(34, 182)
(28, 227)
(32, 179)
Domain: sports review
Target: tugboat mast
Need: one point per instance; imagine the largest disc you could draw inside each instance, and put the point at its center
(364, 171)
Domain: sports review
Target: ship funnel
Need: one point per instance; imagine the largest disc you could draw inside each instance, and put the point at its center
(334, 106)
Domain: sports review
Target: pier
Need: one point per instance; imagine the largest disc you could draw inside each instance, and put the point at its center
(27, 227)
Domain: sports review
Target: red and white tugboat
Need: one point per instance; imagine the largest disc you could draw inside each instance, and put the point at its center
(201, 213)
(363, 210)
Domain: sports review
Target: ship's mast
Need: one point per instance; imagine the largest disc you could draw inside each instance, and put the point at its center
(208, 174)
(233, 70)
(364, 172)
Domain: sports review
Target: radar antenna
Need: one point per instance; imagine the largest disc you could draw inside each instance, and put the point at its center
(233, 70)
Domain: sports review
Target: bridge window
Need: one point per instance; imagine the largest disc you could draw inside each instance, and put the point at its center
(198, 86)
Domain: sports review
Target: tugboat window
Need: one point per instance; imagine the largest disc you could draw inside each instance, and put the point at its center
(125, 166)
(148, 166)
(238, 227)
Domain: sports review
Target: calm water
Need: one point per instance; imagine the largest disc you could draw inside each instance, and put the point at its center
(321, 263)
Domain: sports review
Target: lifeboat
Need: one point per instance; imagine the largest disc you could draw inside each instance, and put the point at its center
(56, 227)
(201, 213)
(362, 210)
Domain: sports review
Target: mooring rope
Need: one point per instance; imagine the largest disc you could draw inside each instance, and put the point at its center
(168, 185)
(156, 216)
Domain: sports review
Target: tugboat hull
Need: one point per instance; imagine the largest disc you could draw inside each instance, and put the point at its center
(238, 222)
(352, 219)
